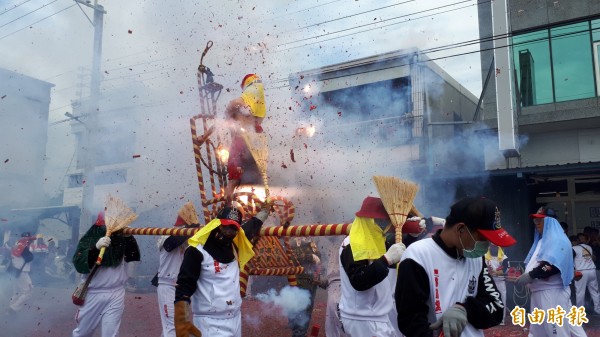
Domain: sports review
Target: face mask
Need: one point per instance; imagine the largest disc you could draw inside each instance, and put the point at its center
(479, 249)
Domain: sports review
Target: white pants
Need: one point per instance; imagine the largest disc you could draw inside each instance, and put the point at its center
(550, 299)
(166, 307)
(23, 289)
(501, 285)
(216, 327)
(106, 307)
(333, 324)
(355, 328)
(590, 282)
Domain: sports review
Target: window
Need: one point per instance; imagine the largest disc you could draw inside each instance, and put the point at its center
(75, 180)
(531, 53)
(111, 177)
(380, 111)
(557, 64)
(572, 62)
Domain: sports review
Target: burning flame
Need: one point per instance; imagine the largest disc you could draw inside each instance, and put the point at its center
(308, 131)
(259, 191)
(222, 154)
(307, 90)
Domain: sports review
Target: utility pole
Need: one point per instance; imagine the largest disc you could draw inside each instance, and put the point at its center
(88, 181)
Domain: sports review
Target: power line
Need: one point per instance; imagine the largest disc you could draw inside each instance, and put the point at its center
(15, 6)
(453, 46)
(373, 23)
(29, 26)
(301, 10)
(348, 16)
(367, 30)
(24, 15)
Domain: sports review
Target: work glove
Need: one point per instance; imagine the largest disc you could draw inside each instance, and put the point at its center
(264, 211)
(183, 326)
(103, 242)
(394, 253)
(523, 279)
(438, 221)
(452, 322)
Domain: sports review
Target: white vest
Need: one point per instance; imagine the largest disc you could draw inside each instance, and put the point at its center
(583, 258)
(450, 280)
(108, 279)
(169, 264)
(218, 288)
(372, 304)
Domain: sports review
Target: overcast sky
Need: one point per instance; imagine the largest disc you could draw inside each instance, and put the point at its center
(151, 50)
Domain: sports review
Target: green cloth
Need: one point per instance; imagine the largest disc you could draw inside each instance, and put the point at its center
(86, 253)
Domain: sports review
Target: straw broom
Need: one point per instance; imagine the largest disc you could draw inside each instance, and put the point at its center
(257, 144)
(188, 213)
(397, 196)
(117, 216)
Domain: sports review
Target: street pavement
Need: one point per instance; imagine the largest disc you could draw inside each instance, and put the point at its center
(51, 313)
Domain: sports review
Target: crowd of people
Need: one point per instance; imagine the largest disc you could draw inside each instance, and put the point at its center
(446, 282)
(450, 282)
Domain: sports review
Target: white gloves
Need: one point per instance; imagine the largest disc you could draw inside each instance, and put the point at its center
(453, 321)
(394, 253)
(422, 225)
(262, 215)
(103, 242)
(264, 211)
(438, 221)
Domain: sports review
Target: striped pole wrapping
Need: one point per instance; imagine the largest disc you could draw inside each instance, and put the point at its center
(292, 280)
(277, 271)
(279, 231)
(209, 161)
(160, 231)
(197, 155)
(244, 275)
(307, 230)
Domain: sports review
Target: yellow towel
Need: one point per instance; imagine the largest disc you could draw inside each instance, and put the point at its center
(488, 255)
(254, 96)
(366, 239)
(245, 252)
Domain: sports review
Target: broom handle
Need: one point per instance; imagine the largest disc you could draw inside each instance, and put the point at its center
(398, 234)
(266, 182)
(101, 254)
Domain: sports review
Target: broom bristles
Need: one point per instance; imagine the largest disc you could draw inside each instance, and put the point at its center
(188, 213)
(397, 196)
(117, 215)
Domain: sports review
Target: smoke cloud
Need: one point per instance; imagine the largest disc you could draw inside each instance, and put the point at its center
(149, 91)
